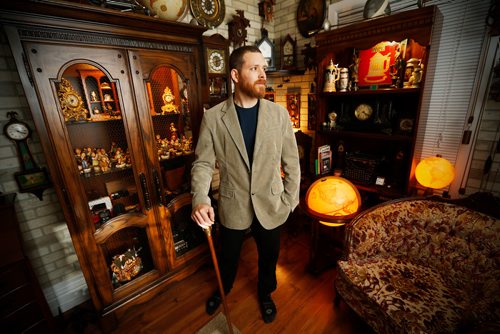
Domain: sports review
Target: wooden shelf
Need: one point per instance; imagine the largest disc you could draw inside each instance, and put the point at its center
(284, 73)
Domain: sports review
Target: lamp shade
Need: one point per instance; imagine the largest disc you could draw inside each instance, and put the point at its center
(435, 172)
(332, 198)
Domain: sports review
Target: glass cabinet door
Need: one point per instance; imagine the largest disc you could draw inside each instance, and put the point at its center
(90, 113)
(167, 82)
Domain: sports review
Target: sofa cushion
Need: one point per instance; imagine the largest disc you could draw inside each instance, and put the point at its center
(414, 298)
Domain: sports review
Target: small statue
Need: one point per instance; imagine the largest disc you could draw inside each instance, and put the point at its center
(93, 96)
(333, 119)
(173, 132)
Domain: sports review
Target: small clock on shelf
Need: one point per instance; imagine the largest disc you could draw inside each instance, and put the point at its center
(266, 46)
(288, 53)
(363, 112)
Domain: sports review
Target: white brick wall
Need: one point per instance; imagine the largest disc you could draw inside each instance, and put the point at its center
(53, 258)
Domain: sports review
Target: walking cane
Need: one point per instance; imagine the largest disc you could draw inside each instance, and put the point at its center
(208, 232)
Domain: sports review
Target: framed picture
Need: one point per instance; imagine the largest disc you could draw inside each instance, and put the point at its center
(293, 107)
(310, 16)
(33, 181)
(375, 64)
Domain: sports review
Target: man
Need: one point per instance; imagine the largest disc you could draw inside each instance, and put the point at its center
(250, 138)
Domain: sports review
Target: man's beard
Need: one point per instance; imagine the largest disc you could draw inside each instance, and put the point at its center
(256, 89)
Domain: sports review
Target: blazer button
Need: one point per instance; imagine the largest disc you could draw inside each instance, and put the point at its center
(253, 194)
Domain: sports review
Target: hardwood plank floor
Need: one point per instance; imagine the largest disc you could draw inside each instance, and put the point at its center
(304, 301)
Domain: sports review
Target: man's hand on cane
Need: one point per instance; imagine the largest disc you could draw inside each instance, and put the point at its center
(203, 215)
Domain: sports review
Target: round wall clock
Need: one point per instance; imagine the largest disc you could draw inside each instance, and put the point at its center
(216, 61)
(208, 13)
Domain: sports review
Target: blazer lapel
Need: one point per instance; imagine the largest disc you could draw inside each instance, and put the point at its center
(230, 120)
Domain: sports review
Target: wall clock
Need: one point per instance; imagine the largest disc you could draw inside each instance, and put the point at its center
(216, 51)
(72, 105)
(288, 53)
(238, 29)
(266, 9)
(208, 13)
(266, 47)
(32, 178)
(310, 16)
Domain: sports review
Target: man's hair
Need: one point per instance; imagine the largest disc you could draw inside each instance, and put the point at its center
(236, 57)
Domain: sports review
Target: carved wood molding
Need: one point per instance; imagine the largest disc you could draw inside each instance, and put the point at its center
(97, 39)
(416, 23)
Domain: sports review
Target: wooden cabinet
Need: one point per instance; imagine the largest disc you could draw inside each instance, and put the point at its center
(115, 99)
(370, 120)
(23, 306)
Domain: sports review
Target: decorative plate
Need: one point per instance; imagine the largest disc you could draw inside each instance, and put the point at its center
(310, 16)
(208, 13)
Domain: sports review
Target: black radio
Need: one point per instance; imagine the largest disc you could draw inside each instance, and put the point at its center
(361, 167)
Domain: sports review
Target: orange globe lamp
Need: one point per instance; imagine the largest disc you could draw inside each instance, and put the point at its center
(332, 200)
(435, 172)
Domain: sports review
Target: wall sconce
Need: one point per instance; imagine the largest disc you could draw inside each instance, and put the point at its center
(434, 173)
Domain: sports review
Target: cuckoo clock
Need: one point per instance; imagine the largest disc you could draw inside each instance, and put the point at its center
(238, 29)
(266, 9)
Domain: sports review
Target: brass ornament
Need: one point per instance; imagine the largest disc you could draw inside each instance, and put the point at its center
(72, 105)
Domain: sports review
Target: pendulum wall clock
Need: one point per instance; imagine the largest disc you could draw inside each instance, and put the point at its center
(32, 178)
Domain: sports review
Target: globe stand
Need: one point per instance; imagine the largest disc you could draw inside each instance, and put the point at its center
(332, 202)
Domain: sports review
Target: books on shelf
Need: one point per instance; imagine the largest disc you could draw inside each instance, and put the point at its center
(324, 162)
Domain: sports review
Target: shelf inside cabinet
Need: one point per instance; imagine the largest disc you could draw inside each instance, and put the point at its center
(379, 91)
(284, 73)
(366, 135)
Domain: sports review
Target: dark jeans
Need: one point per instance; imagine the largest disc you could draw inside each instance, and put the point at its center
(268, 248)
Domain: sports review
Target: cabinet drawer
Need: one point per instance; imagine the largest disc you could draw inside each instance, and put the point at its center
(16, 300)
(13, 277)
(28, 319)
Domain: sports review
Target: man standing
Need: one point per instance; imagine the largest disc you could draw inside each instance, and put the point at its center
(252, 140)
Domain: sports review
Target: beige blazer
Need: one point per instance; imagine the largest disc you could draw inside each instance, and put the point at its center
(247, 190)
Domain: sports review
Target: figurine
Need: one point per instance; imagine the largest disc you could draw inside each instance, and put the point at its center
(93, 96)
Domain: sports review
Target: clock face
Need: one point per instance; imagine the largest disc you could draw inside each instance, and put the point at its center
(216, 61)
(363, 112)
(288, 48)
(17, 131)
(72, 100)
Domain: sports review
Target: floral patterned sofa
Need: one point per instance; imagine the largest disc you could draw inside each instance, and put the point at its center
(416, 265)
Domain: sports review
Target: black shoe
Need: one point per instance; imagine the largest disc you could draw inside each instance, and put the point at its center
(268, 309)
(213, 303)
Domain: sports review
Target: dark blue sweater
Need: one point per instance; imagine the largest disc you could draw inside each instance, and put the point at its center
(248, 124)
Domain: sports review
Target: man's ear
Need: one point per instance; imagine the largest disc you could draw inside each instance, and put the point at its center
(235, 75)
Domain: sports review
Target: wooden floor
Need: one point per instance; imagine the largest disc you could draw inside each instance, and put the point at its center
(304, 301)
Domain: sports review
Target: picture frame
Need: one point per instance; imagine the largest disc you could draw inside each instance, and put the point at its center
(310, 17)
(33, 181)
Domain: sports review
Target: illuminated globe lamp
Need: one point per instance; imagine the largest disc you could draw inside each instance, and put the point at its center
(434, 173)
(332, 200)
